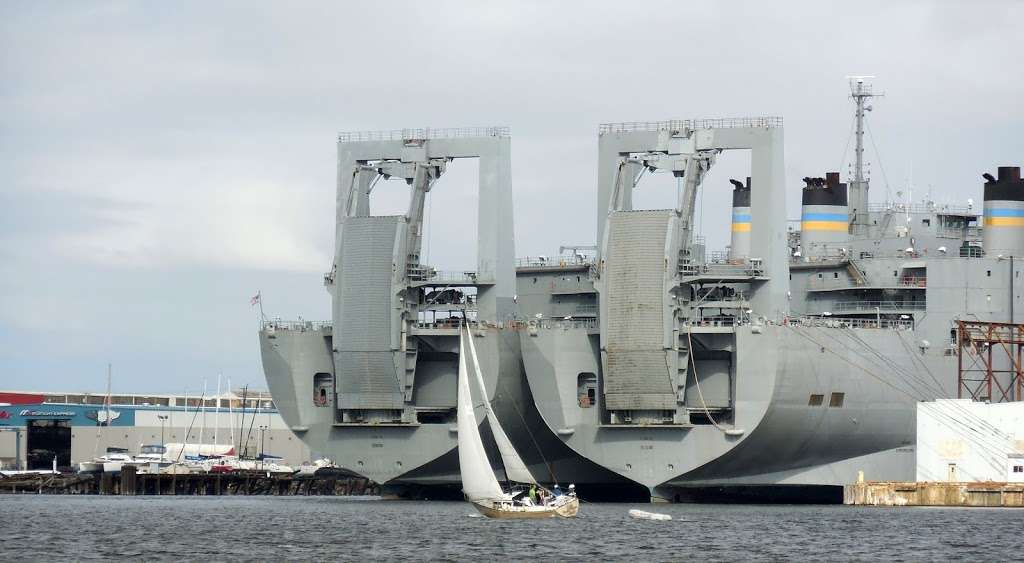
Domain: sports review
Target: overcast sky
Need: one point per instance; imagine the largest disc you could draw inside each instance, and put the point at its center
(160, 162)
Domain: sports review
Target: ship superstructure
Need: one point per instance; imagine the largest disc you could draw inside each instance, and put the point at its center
(793, 359)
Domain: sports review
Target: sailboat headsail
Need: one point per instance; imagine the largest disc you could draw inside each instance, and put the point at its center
(515, 469)
(478, 480)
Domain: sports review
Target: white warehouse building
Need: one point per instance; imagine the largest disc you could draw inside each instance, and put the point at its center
(960, 440)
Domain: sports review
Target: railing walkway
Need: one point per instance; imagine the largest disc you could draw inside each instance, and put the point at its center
(689, 124)
(422, 134)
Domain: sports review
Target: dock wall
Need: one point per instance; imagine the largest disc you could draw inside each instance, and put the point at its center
(887, 493)
(128, 483)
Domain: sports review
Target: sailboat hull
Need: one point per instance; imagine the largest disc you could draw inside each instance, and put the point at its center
(567, 510)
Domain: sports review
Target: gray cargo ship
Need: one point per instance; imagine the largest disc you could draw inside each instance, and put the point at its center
(788, 363)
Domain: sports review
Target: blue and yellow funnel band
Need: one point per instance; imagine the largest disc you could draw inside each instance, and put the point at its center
(843, 217)
(1004, 217)
(1003, 212)
(1004, 221)
(740, 222)
(824, 226)
(824, 222)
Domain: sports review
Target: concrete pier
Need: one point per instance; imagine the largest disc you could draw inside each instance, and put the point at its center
(889, 493)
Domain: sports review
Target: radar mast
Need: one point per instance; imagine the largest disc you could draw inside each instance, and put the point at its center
(861, 91)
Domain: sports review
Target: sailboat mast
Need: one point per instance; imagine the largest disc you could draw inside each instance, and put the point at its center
(241, 422)
(107, 402)
(216, 422)
(202, 424)
(231, 415)
(187, 428)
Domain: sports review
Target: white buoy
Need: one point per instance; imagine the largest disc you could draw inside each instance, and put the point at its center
(644, 515)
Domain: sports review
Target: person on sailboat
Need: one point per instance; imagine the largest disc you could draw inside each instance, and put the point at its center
(557, 491)
(533, 494)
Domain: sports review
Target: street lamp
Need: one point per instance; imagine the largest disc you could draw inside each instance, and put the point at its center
(163, 418)
(263, 430)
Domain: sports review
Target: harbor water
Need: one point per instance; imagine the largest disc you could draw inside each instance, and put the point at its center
(45, 527)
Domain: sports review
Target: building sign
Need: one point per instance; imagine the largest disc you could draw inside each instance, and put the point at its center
(78, 415)
(101, 415)
(35, 414)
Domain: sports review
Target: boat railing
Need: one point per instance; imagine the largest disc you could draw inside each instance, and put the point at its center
(752, 268)
(680, 125)
(844, 282)
(923, 207)
(564, 323)
(892, 324)
(430, 275)
(423, 134)
(940, 253)
(958, 233)
(299, 325)
(560, 261)
(847, 306)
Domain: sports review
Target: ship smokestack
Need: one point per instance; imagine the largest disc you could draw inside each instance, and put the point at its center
(825, 218)
(1003, 232)
(739, 248)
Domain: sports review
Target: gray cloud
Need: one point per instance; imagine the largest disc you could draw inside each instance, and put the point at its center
(161, 162)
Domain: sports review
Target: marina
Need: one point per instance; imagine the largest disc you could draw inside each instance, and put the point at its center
(128, 483)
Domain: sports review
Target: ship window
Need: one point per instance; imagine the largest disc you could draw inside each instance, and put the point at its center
(322, 383)
(836, 400)
(815, 400)
(819, 275)
(926, 222)
(988, 273)
(835, 275)
(1018, 468)
(894, 273)
(586, 389)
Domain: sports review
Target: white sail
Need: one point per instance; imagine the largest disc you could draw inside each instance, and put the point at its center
(478, 481)
(515, 469)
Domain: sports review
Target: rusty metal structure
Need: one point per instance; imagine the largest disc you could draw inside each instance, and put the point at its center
(989, 363)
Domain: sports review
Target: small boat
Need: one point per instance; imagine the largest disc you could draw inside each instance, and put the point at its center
(109, 462)
(151, 459)
(263, 464)
(115, 459)
(309, 469)
(479, 484)
(644, 515)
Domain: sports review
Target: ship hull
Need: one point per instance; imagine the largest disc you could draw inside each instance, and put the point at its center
(412, 458)
(785, 442)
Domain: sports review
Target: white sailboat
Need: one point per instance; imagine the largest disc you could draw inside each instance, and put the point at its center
(479, 484)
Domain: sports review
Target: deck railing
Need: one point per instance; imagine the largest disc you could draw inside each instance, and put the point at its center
(278, 324)
(869, 306)
(896, 324)
(421, 134)
(689, 124)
